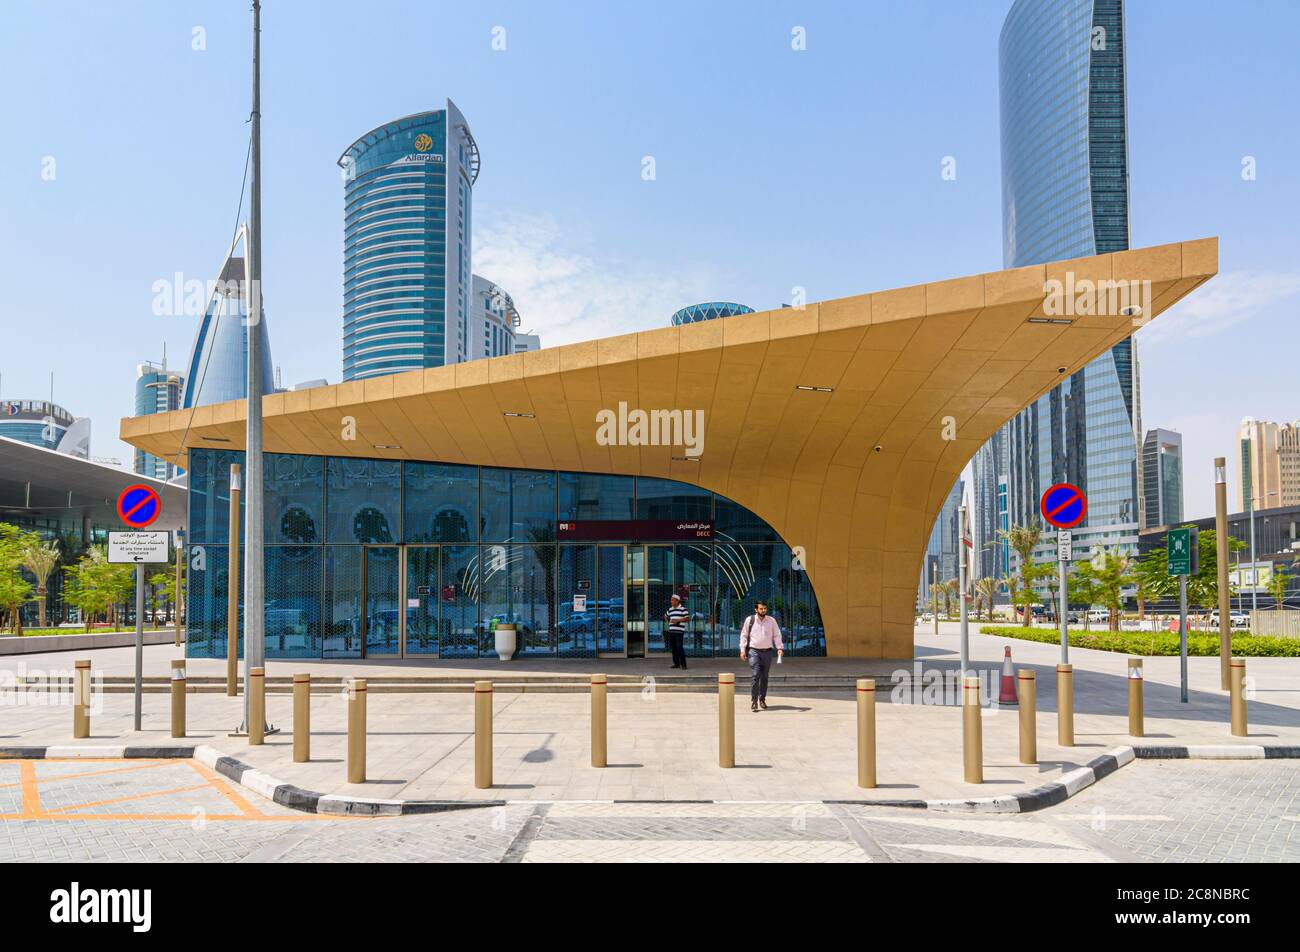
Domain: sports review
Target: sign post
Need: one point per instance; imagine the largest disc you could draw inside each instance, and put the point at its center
(138, 506)
(1063, 506)
(1183, 549)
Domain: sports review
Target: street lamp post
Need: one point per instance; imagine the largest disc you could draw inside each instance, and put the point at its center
(1221, 550)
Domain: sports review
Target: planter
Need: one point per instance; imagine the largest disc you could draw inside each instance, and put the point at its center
(507, 640)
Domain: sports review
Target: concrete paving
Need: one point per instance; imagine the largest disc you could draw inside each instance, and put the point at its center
(663, 745)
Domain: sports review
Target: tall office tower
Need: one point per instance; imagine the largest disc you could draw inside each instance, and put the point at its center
(1065, 195)
(157, 390)
(493, 319)
(1162, 478)
(218, 366)
(46, 424)
(406, 244)
(943, 552)
(989, 508)
(1270, 464)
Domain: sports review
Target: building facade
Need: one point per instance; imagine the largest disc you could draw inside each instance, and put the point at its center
(384, 558)
(157, 390)
(493, 319)
(218, 366)
(46, 424)
(1065, 196)
(1162, 478)
(1270, 464)
(407, 286)
(943, 551)
(989, 509)
(708, 311)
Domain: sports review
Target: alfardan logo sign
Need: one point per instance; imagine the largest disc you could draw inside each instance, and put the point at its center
(423, 142)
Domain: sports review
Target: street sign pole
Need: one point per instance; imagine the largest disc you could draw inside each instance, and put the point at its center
(961, 593)
(1064, 612)
(1182, 636)
(139, 639)
(1064, 506)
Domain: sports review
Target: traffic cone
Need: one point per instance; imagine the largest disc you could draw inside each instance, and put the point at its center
(1008, 693)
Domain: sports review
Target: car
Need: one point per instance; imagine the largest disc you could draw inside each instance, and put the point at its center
(926, 618)
(1235, 620)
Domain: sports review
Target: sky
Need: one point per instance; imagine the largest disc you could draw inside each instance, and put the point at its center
(774, 168)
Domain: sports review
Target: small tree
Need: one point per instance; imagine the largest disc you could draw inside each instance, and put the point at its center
(1081, 588)
(1106, 575)
(1023, 539)
(41, 559)
(14, 589)
(987, 587)
(1277, 586)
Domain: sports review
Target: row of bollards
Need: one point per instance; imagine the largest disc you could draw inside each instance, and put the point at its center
(972, 736)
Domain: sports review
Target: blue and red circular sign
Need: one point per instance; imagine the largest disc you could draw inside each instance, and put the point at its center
(1063, 505)
(138, 506)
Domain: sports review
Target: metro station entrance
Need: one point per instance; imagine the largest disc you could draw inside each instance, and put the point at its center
(407, 611)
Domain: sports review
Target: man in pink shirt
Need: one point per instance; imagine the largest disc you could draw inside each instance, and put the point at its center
(758, 636)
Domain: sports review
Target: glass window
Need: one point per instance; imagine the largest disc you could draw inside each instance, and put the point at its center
(586, 496)
(294, 504)
(341, 631)
(293, 601)
(533, 604)
(460, 565)
(517, 505)
(210, 495)
(363, 500)
(206, 591)
(669, 499)
(744, 574)
(734, 523)
(575, 631)
(440, 502)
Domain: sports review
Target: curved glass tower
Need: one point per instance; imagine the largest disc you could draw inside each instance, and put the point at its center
(406, 244)
(1065, 195)
(708, 311)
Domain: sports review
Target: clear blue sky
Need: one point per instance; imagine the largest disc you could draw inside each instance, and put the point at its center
(775, 169)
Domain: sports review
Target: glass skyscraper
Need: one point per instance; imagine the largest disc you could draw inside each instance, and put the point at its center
(1065, 195)
(1162, 478)
(406, 244)
(157, 390)
(708, 311)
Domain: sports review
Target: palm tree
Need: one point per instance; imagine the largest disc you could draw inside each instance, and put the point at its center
(1277, 586)
(987, 587)
(41, 559)
(1023, 539)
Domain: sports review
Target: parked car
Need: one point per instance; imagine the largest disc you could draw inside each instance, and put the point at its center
(1239, 620)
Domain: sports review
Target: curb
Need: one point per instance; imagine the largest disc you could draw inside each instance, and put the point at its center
(309, 801)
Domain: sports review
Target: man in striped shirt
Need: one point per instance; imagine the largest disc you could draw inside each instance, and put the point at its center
(676, 617)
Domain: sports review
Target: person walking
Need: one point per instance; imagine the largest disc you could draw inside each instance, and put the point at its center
(676, 617)
(759, 636)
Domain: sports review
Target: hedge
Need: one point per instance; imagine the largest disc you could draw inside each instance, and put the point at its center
(1154, 642)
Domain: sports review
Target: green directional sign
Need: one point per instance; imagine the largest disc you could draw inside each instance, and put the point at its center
(1181, 545)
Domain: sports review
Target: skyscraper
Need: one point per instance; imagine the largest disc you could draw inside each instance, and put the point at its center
(989, 505)
(406, 244)
(218, 366)
(493, 319)
(943, 552)
(1270, 464)
(157, 390)
(1065, 195)
(1162, 478)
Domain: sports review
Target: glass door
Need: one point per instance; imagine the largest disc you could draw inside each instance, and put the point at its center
(636, 601)
(380, 599)
(424, 597)
(611, 619)
(658, 589)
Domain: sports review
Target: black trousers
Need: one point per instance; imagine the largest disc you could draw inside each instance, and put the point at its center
(676, 644)
(760, 663)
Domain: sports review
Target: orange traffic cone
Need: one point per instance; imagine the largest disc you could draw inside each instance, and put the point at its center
(1008, 693)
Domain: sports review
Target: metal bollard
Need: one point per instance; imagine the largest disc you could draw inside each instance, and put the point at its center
(301, 718)
(81, 700)
(866, 733)
(1237, 689)
(482, 734)
(1027, 691)
(972, 740)
(357, 730)
(599, 723)
(726, 720)
(257, 705)
(178, 698)
(1065, 705)
(1135, 711)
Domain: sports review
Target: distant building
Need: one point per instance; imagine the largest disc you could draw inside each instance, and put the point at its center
(157, 390)
(408, 202)
(708, 311)
(1270, 464)
(218, 365)
(45, 424)
(493, 319)
(527, 342)
(943, 553)
(989, 503)
(1162, 478)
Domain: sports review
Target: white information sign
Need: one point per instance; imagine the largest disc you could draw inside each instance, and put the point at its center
(135, 547)
(1064, 545)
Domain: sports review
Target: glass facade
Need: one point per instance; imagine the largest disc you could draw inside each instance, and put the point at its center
(218, 368)
(376, 558)
(1065, 195)
(156, 391)
(406, 244)
(708, 311)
